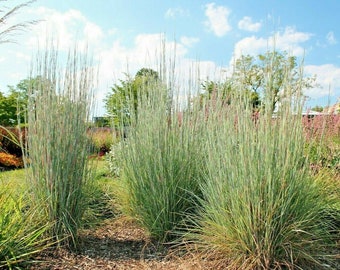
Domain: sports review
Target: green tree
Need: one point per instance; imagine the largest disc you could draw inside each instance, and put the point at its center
(265, 76)
(10, 106)
(8, 110)
(225, 90)
(13, 105)
(317, 108)
(147, 73)
(101, 121)
(124, 94)
(4, 111)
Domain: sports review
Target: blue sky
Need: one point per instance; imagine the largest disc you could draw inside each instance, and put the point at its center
(123, 36)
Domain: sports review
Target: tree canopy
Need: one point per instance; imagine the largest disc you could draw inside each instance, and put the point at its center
(13, 105)
(122, 100)
(266, 76)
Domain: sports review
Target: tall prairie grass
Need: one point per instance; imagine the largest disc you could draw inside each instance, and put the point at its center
(58, 146)
(261, 207)
(231, 182)
(161, 164)
(235, 183)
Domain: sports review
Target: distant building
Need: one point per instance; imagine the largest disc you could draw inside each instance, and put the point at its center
(311, 114)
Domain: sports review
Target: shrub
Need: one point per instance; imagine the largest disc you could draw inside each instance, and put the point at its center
(9, 161)
(323, 137)
(101, 139)
(322, 126)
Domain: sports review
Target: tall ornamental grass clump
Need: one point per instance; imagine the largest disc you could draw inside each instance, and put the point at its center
(261, 208)
(161, 163)
(58, 111)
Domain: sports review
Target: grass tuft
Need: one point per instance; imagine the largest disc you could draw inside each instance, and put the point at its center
(59, 107)
(261, 207)
(160, 165)
(22, 233)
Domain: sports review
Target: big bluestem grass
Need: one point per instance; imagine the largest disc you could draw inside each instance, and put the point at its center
(58, 146)
(161, 162)
(261, 208)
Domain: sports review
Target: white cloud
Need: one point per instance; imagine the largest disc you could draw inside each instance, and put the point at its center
(68, 28)
(331, 40)
(250, 45)
(92, 32)
(247, 24)
(217, 19)
(290, 40)
(146, 51)
(175, 12)
(188, 41)
(328, 79)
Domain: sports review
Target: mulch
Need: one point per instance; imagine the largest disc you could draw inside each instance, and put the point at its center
(120, 243)
(117, 244)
